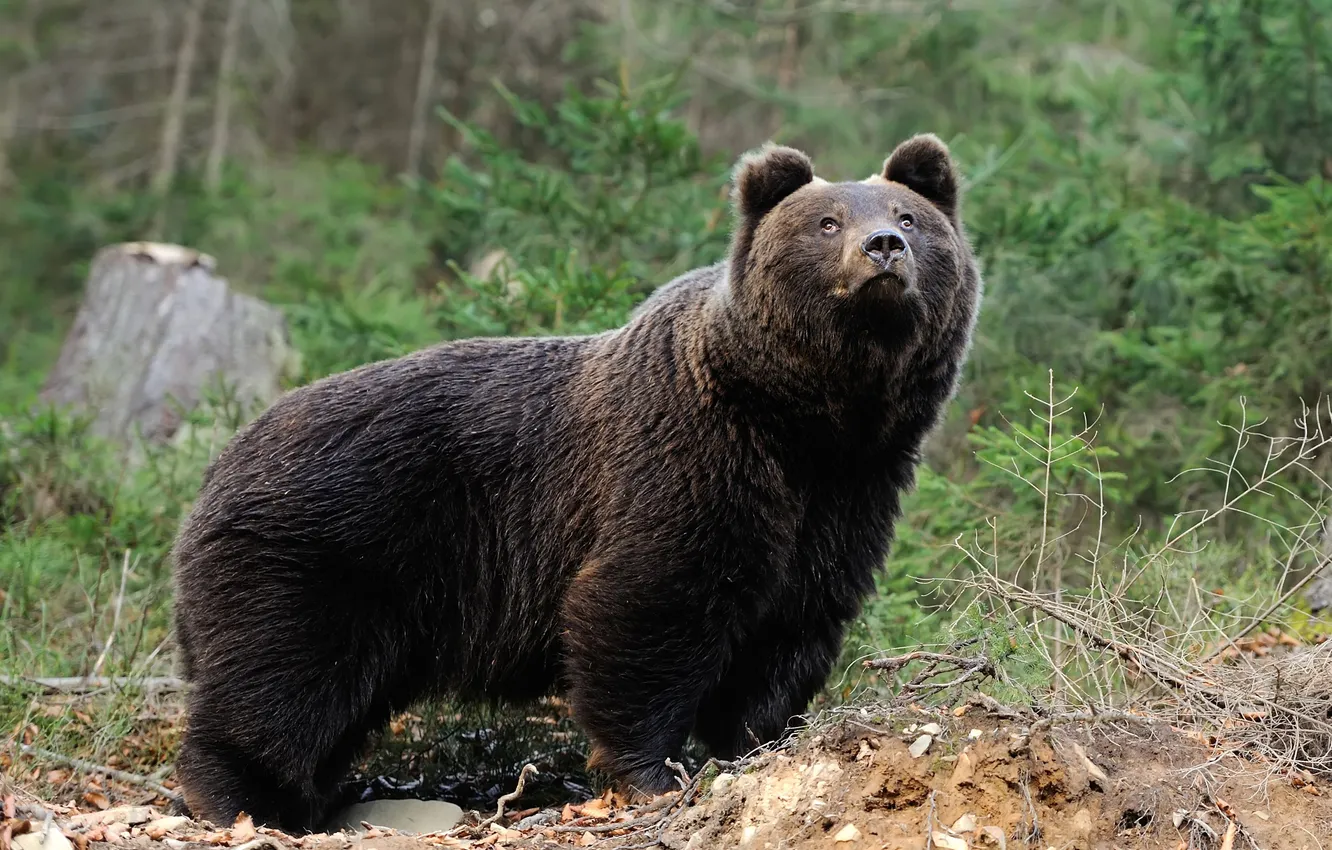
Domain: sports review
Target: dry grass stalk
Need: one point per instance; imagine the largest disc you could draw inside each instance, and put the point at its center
(1134, 630)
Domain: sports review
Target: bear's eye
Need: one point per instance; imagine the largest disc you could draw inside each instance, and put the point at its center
(907, 221)
(830, 226)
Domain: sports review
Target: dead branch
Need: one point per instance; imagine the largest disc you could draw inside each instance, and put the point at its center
(88, 684)
(681, 774)
(929, 821)
(936, 663)
(90, 767)
(647, 817)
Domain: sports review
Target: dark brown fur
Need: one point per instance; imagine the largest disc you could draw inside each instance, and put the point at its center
(671, 522)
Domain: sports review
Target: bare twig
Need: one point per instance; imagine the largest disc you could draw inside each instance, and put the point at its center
(115, 616)
(86, 684)
(929, 821)
(90, 767)
(936, 663)
(512, 795)
(682, 776)
(1271, 609)
(649, 815)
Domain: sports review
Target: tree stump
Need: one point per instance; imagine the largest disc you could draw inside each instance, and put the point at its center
(156, 331)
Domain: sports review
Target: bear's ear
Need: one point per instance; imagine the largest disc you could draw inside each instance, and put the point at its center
(765, 176)
(923, 164)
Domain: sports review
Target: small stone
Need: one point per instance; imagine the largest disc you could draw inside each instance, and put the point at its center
(966, 768)
(920, 745)
(974, 735)
(847, 833)
(1082, 824)
(1262, 815)
(1092, 770)
(410, 816)
(931, 729)
(722, 784)
(747, 834)
(944, 841)
(42, 839)
(865, 752)
(966, 823)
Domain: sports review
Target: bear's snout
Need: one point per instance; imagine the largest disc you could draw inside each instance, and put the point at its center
(884, 246)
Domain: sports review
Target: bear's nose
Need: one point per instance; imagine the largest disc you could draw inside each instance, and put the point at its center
(882, 245)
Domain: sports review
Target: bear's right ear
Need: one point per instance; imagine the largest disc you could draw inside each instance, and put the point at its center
(924, 165)
(763, 178)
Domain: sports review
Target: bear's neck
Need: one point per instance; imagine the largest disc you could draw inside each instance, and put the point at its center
(814, 383)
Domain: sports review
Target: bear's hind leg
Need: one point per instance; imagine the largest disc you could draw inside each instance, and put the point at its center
(275, 723)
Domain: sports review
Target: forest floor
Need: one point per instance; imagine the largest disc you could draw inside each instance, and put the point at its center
(976, 775)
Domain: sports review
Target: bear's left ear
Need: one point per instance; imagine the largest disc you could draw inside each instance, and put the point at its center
(763, 178)
(923, 164)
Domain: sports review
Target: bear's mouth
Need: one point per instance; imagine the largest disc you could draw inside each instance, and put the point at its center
(886, 282)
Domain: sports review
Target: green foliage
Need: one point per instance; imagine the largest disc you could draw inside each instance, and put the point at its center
(620, 201)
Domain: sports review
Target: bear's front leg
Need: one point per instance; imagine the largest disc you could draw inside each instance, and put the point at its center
(768, 683)
(642, 648)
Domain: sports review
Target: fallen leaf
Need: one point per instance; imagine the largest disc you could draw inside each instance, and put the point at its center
(1228, 840)
(159, 828)
(567, 813)
(97, 799)
(212, 838)
(587, 840)
(243, 829)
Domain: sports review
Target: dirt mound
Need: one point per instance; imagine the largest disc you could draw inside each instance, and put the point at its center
(863, 781)
(987, 783)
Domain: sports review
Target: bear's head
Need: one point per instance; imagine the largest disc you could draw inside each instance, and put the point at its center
(882, 259)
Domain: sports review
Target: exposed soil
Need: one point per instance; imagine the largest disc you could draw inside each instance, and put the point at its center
(983, 781)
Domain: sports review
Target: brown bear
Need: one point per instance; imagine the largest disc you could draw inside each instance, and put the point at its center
(671, 522)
